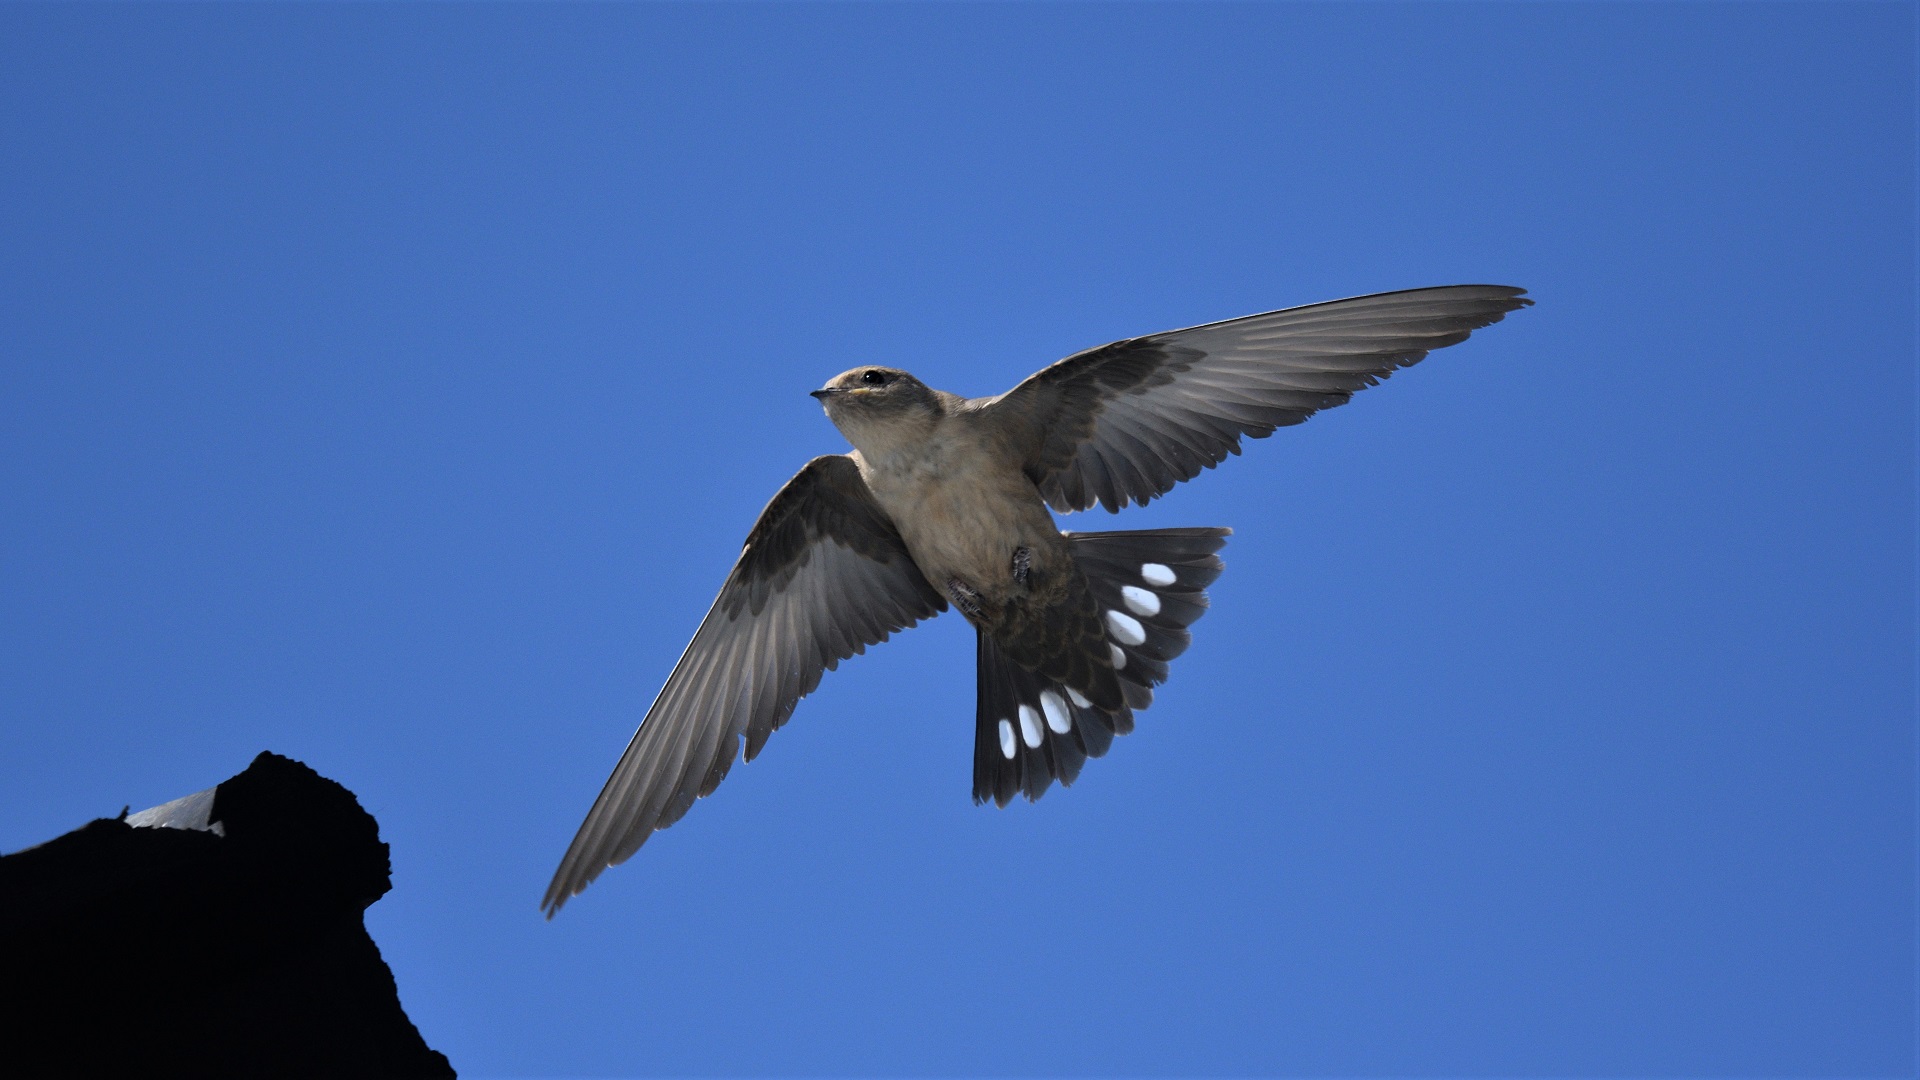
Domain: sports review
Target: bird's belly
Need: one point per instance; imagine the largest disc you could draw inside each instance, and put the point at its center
(967, 527)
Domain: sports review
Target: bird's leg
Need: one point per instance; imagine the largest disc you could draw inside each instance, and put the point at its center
(1022, 562)
(965, 598)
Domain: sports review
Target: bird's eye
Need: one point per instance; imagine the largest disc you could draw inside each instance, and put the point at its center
(874, 378)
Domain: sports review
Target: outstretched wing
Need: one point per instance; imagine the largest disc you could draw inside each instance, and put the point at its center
(823, 575)
(1125, 422)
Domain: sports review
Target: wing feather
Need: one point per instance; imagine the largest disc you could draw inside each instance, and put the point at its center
(823, 575)
(1125, 422)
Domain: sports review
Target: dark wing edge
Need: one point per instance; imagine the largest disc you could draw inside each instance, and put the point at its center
(1125, 422)
(823, 575)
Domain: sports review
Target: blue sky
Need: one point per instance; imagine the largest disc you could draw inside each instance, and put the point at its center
(391, 387)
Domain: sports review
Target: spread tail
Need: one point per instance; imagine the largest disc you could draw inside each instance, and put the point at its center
(1150, 586)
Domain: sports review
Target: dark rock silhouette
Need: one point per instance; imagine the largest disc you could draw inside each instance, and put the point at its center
(219, 935)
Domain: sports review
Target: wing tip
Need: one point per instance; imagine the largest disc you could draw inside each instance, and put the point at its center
(1483, 291)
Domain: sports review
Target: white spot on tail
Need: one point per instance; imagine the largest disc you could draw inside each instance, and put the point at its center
(1125, 627)
(1029, 726)
(1154, 573)
(1139, 600)
(1074, 696)
(1056, 710)
(1006, 740)
(1119, 658)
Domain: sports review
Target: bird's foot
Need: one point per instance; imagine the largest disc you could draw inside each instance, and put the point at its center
(1022, 562)
(964, 597)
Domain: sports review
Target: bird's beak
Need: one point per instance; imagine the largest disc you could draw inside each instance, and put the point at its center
(825, 392)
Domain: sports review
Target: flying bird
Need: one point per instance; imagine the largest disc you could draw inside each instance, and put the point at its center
(944, 500)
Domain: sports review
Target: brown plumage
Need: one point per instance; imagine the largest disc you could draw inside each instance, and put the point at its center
(945, 500)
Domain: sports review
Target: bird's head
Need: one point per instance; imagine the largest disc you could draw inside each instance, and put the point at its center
(875, 407)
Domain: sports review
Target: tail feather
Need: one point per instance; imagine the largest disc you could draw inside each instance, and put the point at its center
(1150, 586)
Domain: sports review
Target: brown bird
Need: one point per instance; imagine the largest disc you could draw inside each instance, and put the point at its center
(945, 499)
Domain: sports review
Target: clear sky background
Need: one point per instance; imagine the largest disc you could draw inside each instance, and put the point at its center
(391, 387)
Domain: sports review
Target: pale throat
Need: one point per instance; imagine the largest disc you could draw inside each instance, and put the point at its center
(900, 453)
